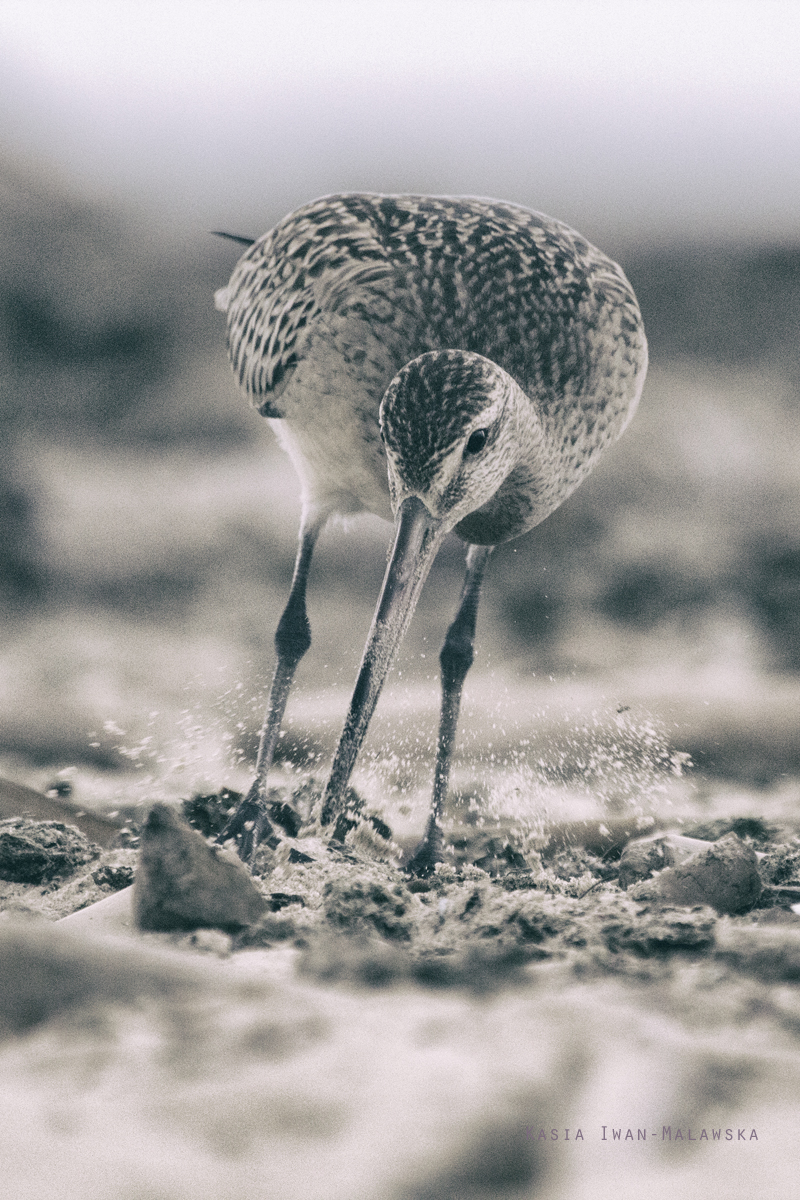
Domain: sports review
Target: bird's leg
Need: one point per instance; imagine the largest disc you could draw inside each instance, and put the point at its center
(250, 824)
(456, 658)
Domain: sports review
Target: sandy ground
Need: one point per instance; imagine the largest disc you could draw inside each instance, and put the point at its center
(507, 1033)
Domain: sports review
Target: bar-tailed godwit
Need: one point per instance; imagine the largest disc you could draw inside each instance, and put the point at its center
(451, 364)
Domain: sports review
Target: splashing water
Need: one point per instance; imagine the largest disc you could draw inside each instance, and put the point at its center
(592, 766)
(523, 771)
(519, 768)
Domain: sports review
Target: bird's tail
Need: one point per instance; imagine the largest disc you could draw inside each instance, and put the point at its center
(233, 237)
(222, 295)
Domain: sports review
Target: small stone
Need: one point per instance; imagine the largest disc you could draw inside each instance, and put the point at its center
(209, 814)
(724, 876)
(284, 815)
(112, 875)
(38, 851)
(182, 883)
(643, 857)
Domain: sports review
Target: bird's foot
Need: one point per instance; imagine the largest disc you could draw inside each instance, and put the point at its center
(249, 826)
(349, 813)
(343, 813)
(429, 852)
(423, 861)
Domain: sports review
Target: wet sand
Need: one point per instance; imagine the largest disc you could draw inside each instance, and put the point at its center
(509, 1032)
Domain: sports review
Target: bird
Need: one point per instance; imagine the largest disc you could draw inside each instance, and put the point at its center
(449, 363)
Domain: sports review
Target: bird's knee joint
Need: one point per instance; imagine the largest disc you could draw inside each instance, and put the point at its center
(456, 658)
(293, 636)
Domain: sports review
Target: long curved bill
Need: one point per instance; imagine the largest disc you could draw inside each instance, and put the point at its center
(418, 536)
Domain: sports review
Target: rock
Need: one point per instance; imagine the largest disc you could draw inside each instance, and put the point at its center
(38, 851)
(110, 917)
(279, 900)
(182, 883)
(645, 856)
(724, 876)
(209, 814)
(114, 875)
(16, 800)
(284, 815)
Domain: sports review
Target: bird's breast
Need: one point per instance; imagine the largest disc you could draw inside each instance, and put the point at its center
(335, 447)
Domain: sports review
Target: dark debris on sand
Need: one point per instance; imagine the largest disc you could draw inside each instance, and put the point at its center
(358, 918)
(39, 851)
(478, 921)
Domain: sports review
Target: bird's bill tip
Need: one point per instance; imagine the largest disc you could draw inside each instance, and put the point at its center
(418, 536)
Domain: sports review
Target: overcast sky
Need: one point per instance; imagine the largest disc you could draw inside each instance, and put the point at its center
(629, 118)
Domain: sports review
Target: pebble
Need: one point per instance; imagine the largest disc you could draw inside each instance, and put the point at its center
(722, 874)
(643, 857)
(183, 883)
(38, 851)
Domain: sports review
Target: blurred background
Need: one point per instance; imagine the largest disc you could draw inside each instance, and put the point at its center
(147, 520)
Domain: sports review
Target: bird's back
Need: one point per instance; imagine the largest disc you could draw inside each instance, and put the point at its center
(328, 306)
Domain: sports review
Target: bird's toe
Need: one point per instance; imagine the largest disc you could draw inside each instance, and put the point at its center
(249, 826)
(423, 861)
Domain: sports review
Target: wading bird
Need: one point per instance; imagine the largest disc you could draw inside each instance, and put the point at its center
(454, 364)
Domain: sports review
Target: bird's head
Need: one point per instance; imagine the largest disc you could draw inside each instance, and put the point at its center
(450, 426)
(455, 427)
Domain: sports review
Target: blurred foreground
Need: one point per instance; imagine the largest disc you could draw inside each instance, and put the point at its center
(147, 1073)
(536, 1028)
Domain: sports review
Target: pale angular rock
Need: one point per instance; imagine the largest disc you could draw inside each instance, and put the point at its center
(182, 883)
(643, 857)
(724, 876)
(16, 800)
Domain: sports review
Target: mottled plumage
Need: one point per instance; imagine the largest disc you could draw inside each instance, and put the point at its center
(468, 355)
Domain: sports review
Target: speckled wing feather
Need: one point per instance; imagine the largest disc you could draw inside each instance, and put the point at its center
(418, 273)
(311, 263)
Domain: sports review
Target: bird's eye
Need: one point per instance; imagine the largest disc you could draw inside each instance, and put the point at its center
(476, 442)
